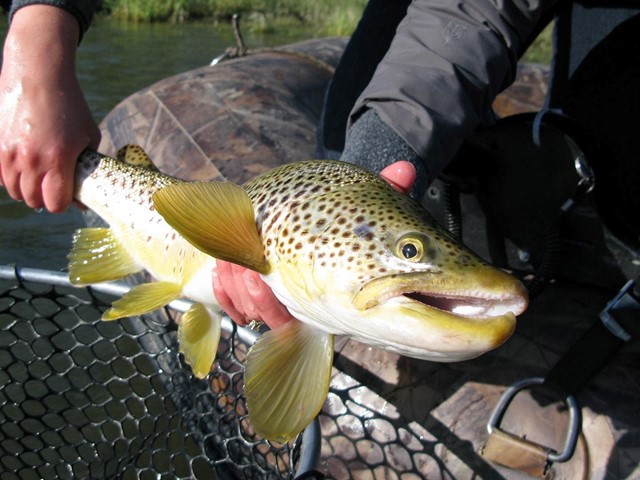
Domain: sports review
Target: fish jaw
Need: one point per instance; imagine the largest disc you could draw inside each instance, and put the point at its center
(441, 316)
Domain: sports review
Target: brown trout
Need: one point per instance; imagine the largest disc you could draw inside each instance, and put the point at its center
(343, 251)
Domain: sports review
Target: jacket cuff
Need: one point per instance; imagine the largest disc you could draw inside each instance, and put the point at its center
(374, 145)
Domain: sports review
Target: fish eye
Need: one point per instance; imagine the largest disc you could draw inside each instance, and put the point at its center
(412, 247)
(409, 251)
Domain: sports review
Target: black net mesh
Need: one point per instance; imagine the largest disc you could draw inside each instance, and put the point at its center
(84, 398)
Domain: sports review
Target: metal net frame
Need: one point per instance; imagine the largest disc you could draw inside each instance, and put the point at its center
(84, 398)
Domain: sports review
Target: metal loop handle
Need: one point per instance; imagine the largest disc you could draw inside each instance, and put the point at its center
(575, 417)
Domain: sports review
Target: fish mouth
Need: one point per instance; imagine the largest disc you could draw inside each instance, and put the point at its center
(443, 316)
(484, 293)
(469, 306)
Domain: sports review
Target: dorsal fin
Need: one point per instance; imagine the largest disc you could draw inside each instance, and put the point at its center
(135, 155)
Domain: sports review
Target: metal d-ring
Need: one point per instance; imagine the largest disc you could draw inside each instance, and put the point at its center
(575, 417)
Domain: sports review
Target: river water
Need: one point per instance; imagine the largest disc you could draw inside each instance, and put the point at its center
(115, 60)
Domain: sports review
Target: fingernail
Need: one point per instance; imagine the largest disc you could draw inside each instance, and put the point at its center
(215, 279)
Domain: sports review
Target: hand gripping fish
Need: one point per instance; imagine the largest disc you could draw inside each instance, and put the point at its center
(341, 249)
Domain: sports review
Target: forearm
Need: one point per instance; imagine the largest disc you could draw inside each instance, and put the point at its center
(40, 47)
(445, 66)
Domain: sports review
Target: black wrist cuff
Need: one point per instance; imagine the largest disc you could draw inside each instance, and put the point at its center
(372, 144)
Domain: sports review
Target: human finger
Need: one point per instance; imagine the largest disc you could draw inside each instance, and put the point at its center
(57, 186)
(243, 300)
(10, 178)
(221, 292)
(271, 310)
(31, 189)
(401, 175)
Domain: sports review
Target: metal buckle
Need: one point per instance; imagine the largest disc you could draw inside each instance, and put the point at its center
(575, 418)
(625, 299)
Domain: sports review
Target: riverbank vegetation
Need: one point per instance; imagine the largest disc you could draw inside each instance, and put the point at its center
(326, 17)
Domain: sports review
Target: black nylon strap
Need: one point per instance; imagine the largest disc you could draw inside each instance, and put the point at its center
(596, 346)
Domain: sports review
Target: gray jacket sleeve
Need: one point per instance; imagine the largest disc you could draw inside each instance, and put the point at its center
(447, 62)
(83, 10)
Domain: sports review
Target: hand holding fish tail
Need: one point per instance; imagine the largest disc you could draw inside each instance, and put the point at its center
(245, 297)
(45, 122)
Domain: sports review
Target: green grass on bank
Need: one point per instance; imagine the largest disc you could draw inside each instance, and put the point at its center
(325, 17)
(541, 50)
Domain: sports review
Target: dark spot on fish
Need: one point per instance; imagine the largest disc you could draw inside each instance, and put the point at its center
(363, 231)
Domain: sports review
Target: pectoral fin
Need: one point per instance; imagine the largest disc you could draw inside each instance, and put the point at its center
(287, 377)
(97, 256)
(217, 218)
(198, 336)
(143, 298)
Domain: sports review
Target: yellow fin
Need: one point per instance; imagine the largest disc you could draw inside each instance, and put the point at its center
(217, 218)
(135, 155)
(142, 299)
(198, 337)
(287, 377)
(97, 256)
